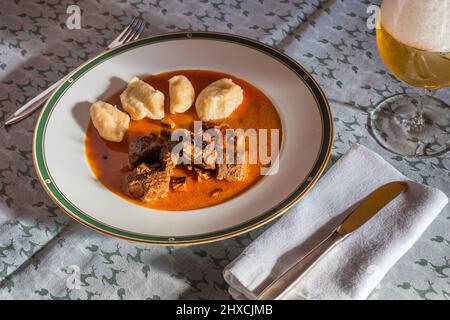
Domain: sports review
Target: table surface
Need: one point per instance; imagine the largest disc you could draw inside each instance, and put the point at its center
(42, 250)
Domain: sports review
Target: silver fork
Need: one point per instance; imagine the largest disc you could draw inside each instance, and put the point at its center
(132, 31)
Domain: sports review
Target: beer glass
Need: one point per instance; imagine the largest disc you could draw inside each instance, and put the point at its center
(413, 38)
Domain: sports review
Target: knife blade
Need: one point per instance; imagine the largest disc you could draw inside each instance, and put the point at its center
(362, 213)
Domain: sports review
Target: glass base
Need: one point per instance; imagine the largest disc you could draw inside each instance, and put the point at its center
(397, 125)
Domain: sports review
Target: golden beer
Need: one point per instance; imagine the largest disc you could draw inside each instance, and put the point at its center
(416, 67)
(413, 39)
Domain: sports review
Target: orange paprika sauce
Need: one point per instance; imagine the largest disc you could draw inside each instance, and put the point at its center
(109, 160)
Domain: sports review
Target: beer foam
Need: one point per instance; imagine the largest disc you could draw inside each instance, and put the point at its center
(422, 24)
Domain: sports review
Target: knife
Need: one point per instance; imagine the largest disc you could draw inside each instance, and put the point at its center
(365, 210)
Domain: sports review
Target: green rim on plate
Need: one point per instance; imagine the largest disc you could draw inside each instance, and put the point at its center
(71, 209)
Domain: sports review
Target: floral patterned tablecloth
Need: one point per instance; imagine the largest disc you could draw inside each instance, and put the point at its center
(46, 255)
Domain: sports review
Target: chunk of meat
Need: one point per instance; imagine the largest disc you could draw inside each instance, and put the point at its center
(153, 167)
(216, 193)
(179, 183)
(203, 154)
(190, 153)
(165, 157)
(144, 149)
(202, 174)
(165, 134)
(231, 172)
(149, 182)
(209, 151)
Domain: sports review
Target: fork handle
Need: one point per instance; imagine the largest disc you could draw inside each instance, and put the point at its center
(33, 104)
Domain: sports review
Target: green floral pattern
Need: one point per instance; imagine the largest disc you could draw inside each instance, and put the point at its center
(42, 250)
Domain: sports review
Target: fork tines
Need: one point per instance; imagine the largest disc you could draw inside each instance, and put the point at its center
(130, 33)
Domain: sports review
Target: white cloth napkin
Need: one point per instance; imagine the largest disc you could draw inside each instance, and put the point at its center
(354, 267)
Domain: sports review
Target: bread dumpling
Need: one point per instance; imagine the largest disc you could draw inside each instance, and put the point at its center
(110, 122)
(141, 100)
(181, 93)
(218, 100)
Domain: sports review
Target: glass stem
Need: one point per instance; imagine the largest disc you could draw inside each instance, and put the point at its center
(421, 103)
(416, 123)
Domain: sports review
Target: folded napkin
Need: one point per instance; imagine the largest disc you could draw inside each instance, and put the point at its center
(353, 268)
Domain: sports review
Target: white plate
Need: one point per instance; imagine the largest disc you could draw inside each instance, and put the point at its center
(59, 149)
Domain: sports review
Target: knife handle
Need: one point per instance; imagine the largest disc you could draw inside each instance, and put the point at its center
(283, 284)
